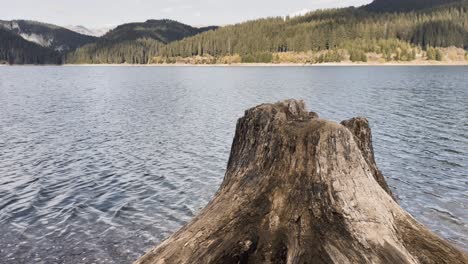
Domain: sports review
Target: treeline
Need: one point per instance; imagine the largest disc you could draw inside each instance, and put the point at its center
(16, 50)
(377, 51)
(139, 51)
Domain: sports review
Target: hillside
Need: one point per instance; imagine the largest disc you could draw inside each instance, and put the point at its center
(330, 36)
(16, 50)
(47, 35)
(134, 42)
(164, 31)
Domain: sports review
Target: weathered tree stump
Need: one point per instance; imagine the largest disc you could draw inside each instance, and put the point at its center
(299, 189)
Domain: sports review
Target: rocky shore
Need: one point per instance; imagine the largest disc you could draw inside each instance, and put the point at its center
(300, 189)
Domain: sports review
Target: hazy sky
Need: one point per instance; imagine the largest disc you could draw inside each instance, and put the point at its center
(101, 13)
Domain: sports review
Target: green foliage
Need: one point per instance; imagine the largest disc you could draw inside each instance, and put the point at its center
(357, 55)
(438, 55)
(391, 49)
(330, 56)
(405, 55)
(140, 51)
(434, 54)
(440, 34)
(430, 53)
(261, 57)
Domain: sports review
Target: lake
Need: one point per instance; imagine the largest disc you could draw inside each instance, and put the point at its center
(99, 164)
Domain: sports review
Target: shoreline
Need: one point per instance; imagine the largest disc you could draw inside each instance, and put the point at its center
(333, 64)
(428, 63)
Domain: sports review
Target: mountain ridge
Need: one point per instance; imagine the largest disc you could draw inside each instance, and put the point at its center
(94, 32)
(47, 35)
(163, 30)
(404, 5)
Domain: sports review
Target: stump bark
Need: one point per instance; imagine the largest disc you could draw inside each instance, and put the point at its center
(299, 189)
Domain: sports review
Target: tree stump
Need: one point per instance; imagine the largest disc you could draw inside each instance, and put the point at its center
(299, 189)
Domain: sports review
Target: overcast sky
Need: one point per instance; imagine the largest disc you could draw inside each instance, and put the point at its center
(102, 13)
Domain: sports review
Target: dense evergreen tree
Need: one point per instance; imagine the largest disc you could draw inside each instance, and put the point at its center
(440, 34)
(357, 55)
(140, 51)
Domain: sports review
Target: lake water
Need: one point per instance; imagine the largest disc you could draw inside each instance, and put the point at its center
(99, 164)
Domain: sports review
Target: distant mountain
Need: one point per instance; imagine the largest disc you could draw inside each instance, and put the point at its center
(47, 35)
(164, 31)
(16, 50)
(404, 5)
(134, 42)
(95, 32)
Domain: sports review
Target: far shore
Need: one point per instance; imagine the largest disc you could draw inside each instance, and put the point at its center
(414, 63)
(419, 63)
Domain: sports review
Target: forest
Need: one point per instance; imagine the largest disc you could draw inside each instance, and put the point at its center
(352, 29)
(404, 31)
(16, 50)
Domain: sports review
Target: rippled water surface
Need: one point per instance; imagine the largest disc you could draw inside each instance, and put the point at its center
(99, 164)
